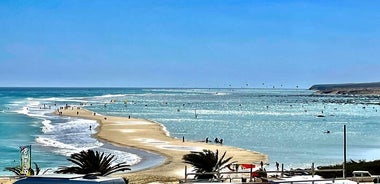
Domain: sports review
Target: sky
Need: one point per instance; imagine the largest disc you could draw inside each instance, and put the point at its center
(188, 43)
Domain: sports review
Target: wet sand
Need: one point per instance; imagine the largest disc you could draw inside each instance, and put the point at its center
(150, 136)
(148, 159)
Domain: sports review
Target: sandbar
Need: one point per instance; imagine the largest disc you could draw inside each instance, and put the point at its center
(151, 136)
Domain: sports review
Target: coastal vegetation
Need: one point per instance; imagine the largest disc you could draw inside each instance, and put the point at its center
(205, 162)
(18, 171)
(91, 161)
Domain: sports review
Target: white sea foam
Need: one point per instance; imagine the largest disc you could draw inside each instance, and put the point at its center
(121, 156)
(62, 135)
(110, 96)
(69, 137)
(47, 126)
(74, 136)
(32, 107)
(220, 94)
(23, 110)
(68, 149)
(64, 99)
(65, 149)
(75, 126)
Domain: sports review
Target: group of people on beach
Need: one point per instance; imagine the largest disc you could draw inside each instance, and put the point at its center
(216, 140)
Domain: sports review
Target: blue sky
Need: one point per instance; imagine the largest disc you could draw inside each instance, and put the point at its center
(188, 43)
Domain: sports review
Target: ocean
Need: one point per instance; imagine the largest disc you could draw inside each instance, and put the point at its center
(288, 125)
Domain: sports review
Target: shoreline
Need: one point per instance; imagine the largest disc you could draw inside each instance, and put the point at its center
(145, 135)
(148, 159)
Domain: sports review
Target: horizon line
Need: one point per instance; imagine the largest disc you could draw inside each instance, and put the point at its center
(136, 87)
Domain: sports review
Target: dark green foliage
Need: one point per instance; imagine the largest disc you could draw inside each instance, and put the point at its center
(373, 167)
(261, 173)
(37, 168)
(93, 162)
(206, 161)
(17, 170)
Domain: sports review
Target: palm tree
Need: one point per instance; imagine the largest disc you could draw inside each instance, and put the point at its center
(93, 162)
(18, 171)
(206, 161)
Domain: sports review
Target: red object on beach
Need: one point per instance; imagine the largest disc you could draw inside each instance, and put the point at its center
(255, 174)
(247, 166)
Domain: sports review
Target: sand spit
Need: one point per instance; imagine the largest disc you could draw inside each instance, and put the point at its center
(150, 136)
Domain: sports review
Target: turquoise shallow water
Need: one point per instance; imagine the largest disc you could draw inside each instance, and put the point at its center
(280, 123)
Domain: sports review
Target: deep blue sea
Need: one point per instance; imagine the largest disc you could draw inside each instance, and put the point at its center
(282, 123)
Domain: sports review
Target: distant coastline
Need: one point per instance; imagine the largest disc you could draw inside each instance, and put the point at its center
(372, 88)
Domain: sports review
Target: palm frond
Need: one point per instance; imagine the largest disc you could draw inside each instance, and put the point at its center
(206, 161)
(37, 168)
(93, 161)
(15, 170)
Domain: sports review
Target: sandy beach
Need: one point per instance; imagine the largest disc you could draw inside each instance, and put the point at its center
(7, 180)
(150, 136)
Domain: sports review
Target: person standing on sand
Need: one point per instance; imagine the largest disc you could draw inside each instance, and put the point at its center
(216, 140)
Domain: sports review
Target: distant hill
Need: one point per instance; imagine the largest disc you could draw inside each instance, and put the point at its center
(372, 88)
